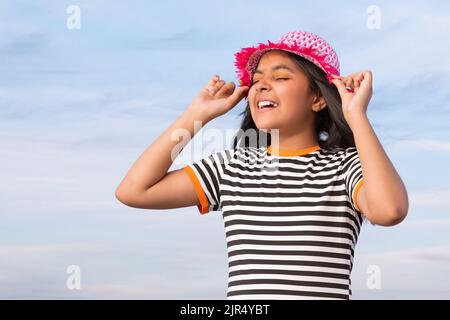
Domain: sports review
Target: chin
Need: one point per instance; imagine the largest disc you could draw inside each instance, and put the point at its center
(266, 125)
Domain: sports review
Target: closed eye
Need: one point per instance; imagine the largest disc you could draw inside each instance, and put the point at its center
(276, 79)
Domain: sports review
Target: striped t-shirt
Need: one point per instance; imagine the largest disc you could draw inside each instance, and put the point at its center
(291, 218)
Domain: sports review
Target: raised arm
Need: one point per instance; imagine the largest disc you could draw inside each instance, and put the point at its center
(148, 184)
(383, 198)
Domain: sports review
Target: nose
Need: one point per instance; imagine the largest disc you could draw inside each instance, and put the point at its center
(262, 85)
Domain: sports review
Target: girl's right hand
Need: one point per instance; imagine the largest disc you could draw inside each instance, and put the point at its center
(217, 98)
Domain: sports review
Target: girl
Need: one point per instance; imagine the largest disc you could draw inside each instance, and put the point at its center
(292, 205)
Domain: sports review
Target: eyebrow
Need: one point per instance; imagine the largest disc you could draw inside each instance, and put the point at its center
(280, 66)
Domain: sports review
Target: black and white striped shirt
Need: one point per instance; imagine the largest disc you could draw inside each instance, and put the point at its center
(291, 218)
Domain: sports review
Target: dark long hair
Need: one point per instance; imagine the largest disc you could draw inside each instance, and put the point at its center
(330, 120)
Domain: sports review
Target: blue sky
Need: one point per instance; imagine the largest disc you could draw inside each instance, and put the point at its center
(77, 107)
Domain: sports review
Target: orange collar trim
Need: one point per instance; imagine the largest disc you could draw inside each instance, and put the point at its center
(291, 153)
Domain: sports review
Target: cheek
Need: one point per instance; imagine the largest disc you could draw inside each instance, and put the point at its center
(252, 91)
(251, 96)
(294, 99)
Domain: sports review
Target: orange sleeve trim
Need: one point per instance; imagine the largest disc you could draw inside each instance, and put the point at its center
(203, 206)
(355, 193)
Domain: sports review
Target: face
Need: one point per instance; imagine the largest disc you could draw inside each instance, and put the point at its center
(279, 79)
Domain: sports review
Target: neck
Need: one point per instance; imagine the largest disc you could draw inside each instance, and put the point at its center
(297, 141)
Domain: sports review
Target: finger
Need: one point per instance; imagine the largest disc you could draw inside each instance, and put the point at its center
(340, 86)
(358, 76)
(219, 84)
(349, 81)
(216, 87)
(226, 90)
(237, 96)
(209, 88)
(355, 76)
(213, 80)
(350, 84)
(367, 77)
(366, 82)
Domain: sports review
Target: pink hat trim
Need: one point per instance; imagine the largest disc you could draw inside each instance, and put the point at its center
(247, 58)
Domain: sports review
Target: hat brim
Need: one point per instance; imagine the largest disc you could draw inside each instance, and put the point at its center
(247, 59)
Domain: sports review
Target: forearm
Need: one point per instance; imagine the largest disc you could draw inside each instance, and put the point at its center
(155, 161)
(384, 189)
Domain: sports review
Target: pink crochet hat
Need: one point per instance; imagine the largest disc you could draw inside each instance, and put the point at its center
(305, 44)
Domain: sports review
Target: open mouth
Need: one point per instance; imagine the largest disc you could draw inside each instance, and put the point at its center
(266, 105)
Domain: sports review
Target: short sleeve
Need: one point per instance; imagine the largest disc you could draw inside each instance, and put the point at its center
(352, 172)
(206, 176)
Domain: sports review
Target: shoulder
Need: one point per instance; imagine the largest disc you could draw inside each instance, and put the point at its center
(335, 153)
(350, 150)
(350, 153)
(350, 157)
(339, 155)
(341, 151)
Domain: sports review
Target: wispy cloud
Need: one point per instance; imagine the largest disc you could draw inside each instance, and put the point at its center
(433, 145)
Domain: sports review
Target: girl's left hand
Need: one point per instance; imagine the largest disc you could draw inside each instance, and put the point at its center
(355, 101)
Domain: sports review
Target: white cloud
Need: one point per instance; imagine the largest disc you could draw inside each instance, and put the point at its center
(439, 146)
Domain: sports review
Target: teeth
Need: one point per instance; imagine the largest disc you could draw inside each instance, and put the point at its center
(262, 104)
